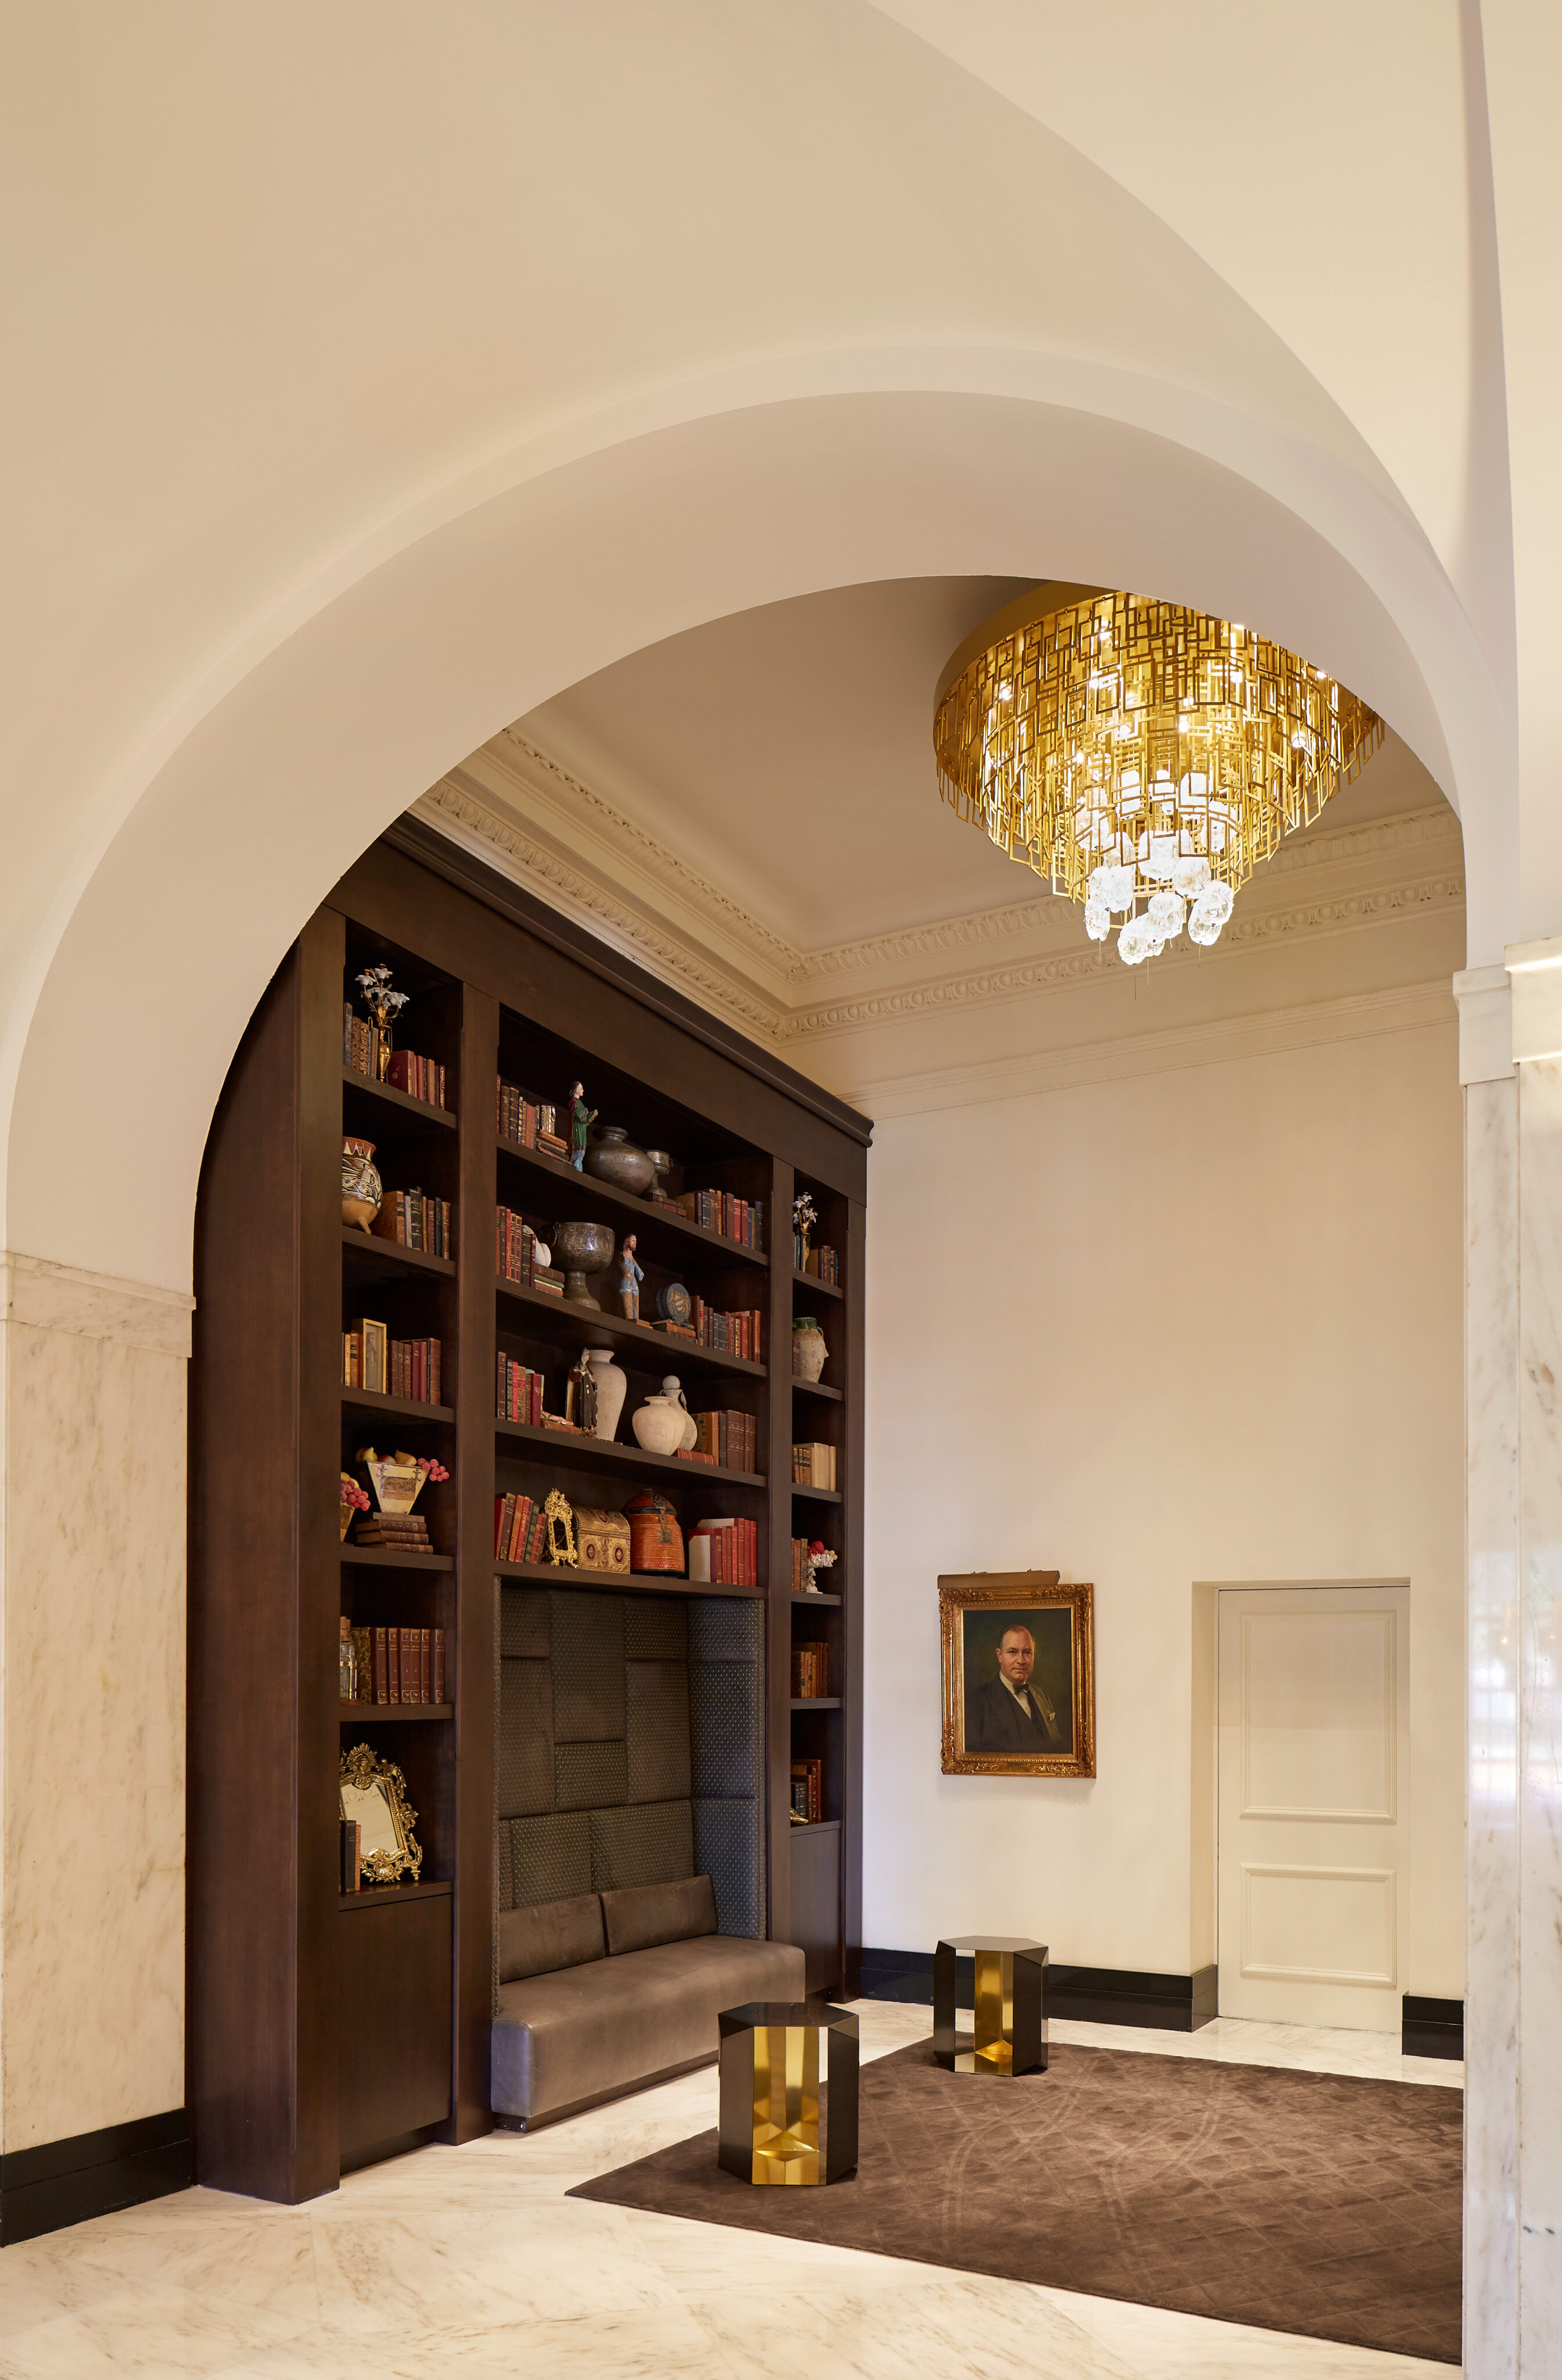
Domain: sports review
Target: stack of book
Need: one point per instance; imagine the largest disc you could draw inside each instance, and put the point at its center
(813, 1466)
(366, 1357)
(516, 1121)
(393, 1533)
(515, 1255)
(519, 1392)
(741, 1220)
(520, 1529)
(420, 1078)
(730, 1334)
(820, 1264)
(731, 1437)
(807, 1792)
(810, 1673)
(724, 1553)
(413, 1221)
(415, 1370)
(360, 1044)
(405, 1665)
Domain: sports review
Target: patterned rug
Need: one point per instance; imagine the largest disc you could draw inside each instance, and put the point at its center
(1320, 2204)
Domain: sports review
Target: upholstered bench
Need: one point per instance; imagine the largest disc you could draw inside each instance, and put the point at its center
(610, 1991)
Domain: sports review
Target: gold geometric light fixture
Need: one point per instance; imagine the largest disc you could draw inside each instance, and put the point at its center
(1140, 757)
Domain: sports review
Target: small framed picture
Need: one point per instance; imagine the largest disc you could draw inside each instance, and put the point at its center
(1019, 1675)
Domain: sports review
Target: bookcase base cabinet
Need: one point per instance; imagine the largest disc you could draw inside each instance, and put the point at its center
(815, 1902)
(394, 2021)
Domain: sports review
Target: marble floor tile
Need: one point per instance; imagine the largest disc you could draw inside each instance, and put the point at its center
(473, 2262)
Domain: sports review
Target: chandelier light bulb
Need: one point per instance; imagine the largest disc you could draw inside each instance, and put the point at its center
(1098, 919)
(1167, 913)
(1190, 877)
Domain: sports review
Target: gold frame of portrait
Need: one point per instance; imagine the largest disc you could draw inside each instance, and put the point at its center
(1016, 1590)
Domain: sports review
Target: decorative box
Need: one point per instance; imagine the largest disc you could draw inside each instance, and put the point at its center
(602, 1539)
(656, 1541)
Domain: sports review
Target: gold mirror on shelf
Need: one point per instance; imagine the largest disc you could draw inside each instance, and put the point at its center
(374, 1794)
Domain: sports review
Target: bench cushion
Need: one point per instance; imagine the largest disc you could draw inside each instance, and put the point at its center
(639, 1916)
(550, 1935)
(566, 2039)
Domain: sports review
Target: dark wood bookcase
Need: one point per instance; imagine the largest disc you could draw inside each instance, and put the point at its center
(327, 2029)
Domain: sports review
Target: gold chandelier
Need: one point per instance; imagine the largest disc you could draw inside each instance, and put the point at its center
(1140, 757)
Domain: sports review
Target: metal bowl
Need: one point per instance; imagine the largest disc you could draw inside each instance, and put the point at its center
(582, 1248)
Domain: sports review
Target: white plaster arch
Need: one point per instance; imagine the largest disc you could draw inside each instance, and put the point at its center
(696, 503)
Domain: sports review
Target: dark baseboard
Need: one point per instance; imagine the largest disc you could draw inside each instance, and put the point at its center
(69, 2181)
(1431, 2028)
(1090, 1995)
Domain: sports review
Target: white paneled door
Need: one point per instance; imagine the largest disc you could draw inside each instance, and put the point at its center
(1314, 1772)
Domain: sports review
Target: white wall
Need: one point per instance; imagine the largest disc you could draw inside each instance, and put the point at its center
(1200, 1325)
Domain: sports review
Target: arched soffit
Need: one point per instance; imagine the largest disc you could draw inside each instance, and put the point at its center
(310, 753)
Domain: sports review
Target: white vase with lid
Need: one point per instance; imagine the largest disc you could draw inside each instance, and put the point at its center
(671, 1390)
(611, 1390)
(658, 1426)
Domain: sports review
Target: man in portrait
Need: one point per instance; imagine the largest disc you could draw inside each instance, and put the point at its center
(1011, 1713)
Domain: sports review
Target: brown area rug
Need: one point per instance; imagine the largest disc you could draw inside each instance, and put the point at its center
(1315, 2203)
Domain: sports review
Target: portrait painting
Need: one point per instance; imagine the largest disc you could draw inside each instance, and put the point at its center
(1019, 1675)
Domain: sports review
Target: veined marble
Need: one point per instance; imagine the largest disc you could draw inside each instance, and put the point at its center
(473, 2262)
(92, 1385)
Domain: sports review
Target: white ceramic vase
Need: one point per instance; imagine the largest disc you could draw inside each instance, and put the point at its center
(611, 1390)
(658, 1426)
(674, 1396)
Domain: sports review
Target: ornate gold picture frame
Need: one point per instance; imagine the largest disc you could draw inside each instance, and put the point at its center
(374, 1792)
(1019, 1652)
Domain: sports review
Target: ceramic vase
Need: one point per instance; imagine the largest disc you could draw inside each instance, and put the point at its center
(613, 1157)
(809, 1353)
(658, 1426)
(674, 1396)
(361, 1184)
(611, 1390)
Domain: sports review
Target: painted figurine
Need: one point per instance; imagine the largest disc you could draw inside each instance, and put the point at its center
(630, 1276)
(581, 1119)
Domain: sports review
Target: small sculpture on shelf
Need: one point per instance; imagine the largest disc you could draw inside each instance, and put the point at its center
(397, 1480)
(581, 1396)
(819, 1557)
(630, 1276)
(582, 1118)
(382, 1004)
(803, 1217)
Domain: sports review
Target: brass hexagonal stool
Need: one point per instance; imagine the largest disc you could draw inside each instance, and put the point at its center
(1011, 2005)
(773, 2127)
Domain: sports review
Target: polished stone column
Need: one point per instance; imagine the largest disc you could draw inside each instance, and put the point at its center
(1511, 1066)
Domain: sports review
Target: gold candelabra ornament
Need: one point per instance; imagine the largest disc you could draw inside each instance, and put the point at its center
(385, 1005)
(1140, 757)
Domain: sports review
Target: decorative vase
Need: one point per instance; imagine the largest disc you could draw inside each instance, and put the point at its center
(674, 1396)
(658, 1426)
(662, 1164)
(611, 1157)
(361, 1184)
(809, 1353)
(611, 1390)
(582, 1248)
(656, 1541)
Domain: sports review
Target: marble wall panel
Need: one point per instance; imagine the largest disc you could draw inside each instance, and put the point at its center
(93, 1675)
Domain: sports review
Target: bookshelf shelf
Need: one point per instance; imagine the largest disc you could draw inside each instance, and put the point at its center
(381, 1558)
(816, 1702)
(631, 1462)
(815, 1388)
(655, 1226)
(380, 1714)
(585, 1324)
(385, 1095)
(375, 1895)
(633, 1582)
(800, 1595)
(818, 1495)
(371, 1254)
(811, 1280)
(369, 1401)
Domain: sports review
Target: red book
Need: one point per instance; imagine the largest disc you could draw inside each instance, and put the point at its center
(392, 1665)
(425, 1665)
(439, 1666)
(381, 1673)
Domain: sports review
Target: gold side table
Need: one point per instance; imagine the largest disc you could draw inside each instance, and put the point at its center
(772, 2128)
(1011, 2005)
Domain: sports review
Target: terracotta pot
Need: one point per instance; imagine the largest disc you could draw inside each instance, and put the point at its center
(656, 1541)
(611, 1156)
(361, 1184)
(611, 1390)
(809, 1353)
(658, 1426)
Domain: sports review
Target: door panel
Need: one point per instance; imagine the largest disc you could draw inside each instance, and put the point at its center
(1313, 1760)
